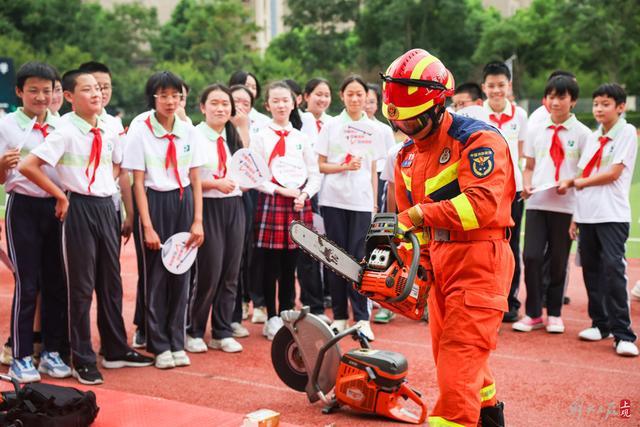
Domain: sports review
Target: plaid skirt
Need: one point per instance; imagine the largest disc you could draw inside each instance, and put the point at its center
(272, 218)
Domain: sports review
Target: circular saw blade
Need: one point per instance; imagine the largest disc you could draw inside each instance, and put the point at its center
(287, 360)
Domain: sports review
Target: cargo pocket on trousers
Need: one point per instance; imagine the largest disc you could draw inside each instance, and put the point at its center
(485, 310)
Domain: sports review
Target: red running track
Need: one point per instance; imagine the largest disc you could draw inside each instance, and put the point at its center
(545, 380)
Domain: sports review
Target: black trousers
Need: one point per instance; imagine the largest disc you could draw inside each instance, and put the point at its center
(248, 289)
(517, 207)
(34, 246)
(546, 237)
(311, 287)
(277, 265)
(602, 254)
(218, 264)
(91, 252)
(166, 294)
(138, 240)
(348, 230)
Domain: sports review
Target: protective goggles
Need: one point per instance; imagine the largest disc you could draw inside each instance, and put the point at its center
(414, 125)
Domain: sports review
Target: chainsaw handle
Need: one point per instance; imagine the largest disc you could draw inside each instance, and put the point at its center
(413, 268)
(409, 393)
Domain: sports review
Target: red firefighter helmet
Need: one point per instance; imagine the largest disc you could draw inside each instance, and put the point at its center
(415, 83)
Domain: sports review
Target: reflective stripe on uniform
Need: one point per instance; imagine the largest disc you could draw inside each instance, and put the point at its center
(407, 180)
(465, 212)
(448, 175)
(423, 238)
(441, 422)
(488, 392)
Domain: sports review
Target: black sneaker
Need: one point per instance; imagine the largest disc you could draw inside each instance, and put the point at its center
(510, 316)
(131, 359)
(87, 374)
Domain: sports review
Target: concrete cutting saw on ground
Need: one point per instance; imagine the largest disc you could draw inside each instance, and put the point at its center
(305, 352)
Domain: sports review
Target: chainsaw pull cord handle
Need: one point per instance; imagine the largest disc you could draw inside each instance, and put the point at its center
(413, 268)
(409, 393)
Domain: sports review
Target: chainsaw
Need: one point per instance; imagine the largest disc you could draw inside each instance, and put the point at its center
(388, 275)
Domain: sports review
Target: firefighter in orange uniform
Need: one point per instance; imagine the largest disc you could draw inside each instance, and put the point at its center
(457, 193)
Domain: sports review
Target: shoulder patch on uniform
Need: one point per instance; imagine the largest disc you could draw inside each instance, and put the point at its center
(481, 161)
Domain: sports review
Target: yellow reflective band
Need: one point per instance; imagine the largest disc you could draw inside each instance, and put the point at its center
(402, 227)
(445, 177)
(408, 112)
(465, 212)
(407, 180)
(487, 392)
(441, 422)
(423, 239)
(419, 69)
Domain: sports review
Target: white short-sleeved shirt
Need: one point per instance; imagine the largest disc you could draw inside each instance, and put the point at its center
(350, 190)
(537, 145)
(540, 115)
(609, 202)
(513, 131)
(387, 138)
(296, 146)
(146, 150)
(68, 148)
(388, 173)
(310, 125)
(16, 131)
(475, 112)
(257, 121)
(112, 122)
(209, 170)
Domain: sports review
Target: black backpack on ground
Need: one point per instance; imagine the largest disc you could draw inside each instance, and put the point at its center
(46, 405)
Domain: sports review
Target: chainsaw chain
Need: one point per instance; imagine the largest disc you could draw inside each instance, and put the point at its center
(326, 239)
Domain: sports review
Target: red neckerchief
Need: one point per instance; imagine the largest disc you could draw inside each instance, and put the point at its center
(556, 151)
(171, 157)
(281, 146)
(597, 158)
(94, 157)
(44, 129)
(503, 118)
(319, 125)
(222, 159)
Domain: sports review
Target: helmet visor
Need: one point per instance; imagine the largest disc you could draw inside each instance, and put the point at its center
(414, 125)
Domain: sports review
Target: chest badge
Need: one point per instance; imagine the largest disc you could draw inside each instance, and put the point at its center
(408, 161)
(445, 156)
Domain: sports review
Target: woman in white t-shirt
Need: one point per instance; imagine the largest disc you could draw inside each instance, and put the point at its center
(348, 147)
(317, 96)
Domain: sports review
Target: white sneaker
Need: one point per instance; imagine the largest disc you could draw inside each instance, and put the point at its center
(259, 315)
(271, 327)
(338, 326)
(238, 330)
(635, 292)
(245, 310)
(228, 345)
(365, 328)
(626, 348)
(195, 345)
(180, 358)
(592, 334)
(555, 325)
(527, 324)
(164, 360)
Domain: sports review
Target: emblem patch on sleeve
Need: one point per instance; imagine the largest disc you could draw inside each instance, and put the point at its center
(481, 161)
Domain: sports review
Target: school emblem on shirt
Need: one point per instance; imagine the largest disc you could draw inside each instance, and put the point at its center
(481, 161)
(513, 126)
(392, 111)
(571, 143)
(408, 161)
(445, 156)
(298, 146)
(186, 148)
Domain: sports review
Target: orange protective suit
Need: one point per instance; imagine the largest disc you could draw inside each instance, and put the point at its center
(461, 180)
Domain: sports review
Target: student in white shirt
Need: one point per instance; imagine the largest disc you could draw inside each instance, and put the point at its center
(348, 147)
(223, 218)
(541, 114)
(278, 205)
(87, 157)
(257, 120)
(33, 231)
(467, 101)
(165, 154)
(511, 120)
(552, 150)
(57, 98)
(317, 97)
(602, 216)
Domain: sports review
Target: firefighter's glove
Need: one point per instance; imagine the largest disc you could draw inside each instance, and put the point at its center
(409, 220)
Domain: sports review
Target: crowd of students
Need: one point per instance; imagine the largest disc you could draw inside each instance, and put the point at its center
(163, 175)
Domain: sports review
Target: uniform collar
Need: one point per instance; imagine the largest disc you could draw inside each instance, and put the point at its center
(438, 135)
(25, 121)
(614, 131)
(288, 127)
(179, 127)
(85, 127)
(347, 119)
(567, 124)
(506, 110)
(211, 134)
